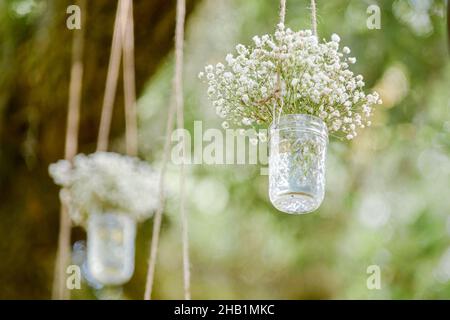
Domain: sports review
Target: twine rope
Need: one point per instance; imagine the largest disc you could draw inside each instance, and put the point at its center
(179, 101)
(129, 81)
(158, 214)
(282, 18)
(176, 105)
(59, 290)
(282, 11)
(123, 42)
(314, 17)
(112, 77)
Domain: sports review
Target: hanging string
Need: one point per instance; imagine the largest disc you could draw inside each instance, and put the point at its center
(129, 82)
(158, 214)
(314, 17)
(71, 146)
(111, 80)
(123, 40)
(178, 86)
(175, 105)
(282, 11)
(60, 291)
(282, 16)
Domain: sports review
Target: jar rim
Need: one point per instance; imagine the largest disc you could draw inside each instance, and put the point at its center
(311, 122)
(110, 213)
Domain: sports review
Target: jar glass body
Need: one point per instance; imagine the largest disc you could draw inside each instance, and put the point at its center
(110, 247)
(298, 146)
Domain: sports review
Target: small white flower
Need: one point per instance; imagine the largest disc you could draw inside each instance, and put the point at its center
(257, 41)
(335, 38)
(228, 75)
(209, 68)
(263, 90)
(246, 121)
(211, 90)
(229, 59)
(294, 82)
(241, 49)
(337, 125)
(219, 68)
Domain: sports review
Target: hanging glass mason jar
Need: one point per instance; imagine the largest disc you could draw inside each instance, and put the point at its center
(110, 242)
(298, 145)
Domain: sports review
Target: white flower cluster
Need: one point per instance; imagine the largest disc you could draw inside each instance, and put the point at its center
(290, 73)
(105, 181)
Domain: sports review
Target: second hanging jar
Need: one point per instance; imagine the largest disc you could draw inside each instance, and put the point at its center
(298, 146)
(110, 247)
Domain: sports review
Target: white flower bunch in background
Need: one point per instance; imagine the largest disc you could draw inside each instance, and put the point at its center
(105, 182)
(290, 73)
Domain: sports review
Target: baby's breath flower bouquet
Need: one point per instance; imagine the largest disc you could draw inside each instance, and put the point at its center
(305, 91)
(106, 182)
(290, 73)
